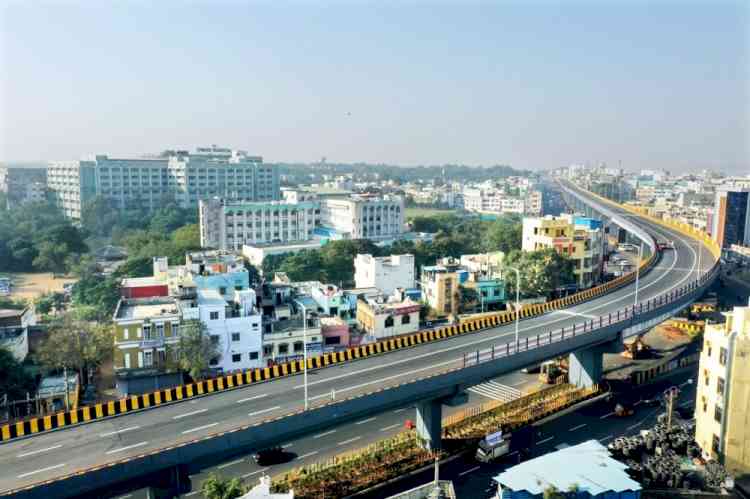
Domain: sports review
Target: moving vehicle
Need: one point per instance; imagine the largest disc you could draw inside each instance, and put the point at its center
(626, 247)
(664, 245)
(492, 447)
(552, 370)
(272, 455)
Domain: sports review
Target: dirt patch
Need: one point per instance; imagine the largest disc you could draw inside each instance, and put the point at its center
(30, 285)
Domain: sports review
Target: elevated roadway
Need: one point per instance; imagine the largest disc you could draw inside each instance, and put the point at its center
(267, 410)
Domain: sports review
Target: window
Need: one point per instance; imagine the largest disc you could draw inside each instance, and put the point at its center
(222, 290)
(267, 350)
(214, 361)
(214, 339)
(283, 348)
(716, 444)
(125, 333)
(389, 321)
(253, 355)
(213, 316)
(146, 332)
(148, 358)
(723, 356)
(236, 357)
(708, 349)
(717, 413)
(720, 386)
(333, 340)
(160, 330)
(235, 336)
(298, 346)
(175, 329)
(405, 319)
(707, 378)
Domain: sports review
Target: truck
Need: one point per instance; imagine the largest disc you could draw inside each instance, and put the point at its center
(500, 443)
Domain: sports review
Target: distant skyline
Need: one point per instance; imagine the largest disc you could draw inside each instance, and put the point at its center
(537, 84)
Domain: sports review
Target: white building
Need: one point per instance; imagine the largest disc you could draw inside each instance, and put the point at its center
(364, 217)
(147, 183)
(256, 253)
(228, 225)
(235, 325)
(381, 318)
(385, 273)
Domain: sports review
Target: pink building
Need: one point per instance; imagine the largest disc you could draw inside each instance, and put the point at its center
(335, 332)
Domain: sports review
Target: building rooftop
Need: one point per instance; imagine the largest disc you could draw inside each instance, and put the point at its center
(135, 282)
(210, 297)
(6, 313)
(146, 308)
(594, 472)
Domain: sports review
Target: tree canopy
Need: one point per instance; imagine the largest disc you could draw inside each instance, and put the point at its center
(541, 272)
(194, 351)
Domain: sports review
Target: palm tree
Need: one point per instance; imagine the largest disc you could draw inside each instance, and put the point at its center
(218, 487)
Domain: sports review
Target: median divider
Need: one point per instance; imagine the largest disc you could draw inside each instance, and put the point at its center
(235, 380)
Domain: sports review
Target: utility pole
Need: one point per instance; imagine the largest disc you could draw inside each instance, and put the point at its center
(669, 395)
(638, 274)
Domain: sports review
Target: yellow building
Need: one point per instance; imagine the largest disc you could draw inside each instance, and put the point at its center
(440, 288)
(722, 404)
(579, 238)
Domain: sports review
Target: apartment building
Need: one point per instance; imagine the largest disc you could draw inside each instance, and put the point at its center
(385, 273)
(722, 403)
(23, 184)
(363, 216)
(731, 218)
(229, 224)
(149, 183)
(234, 324)
(497, 201)
(578, 238)
(440, 288)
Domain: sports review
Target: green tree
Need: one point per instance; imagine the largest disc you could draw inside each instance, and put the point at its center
(504, 234)
(48, 302)
(77, 345)
(469, 298)
(542, 272)
(51, 257)
(194, 351)
(15, 382)
(217, 487)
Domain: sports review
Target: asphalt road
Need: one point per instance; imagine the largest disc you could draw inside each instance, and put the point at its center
(56, 453)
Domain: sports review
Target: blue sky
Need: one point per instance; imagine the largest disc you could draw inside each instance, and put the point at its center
(532, 84)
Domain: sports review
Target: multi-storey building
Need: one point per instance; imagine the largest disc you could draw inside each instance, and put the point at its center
(149, 183)
(385, 273)
(234, 324)
(440, 288)
(363, 216)
(731, 218)
(578, 238)
(380, 318)
(722, 403)
(228, 225)
(23, 184)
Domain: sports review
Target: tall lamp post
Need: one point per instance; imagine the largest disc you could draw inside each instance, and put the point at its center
(637, 274)
(304, 348)
(518, 301)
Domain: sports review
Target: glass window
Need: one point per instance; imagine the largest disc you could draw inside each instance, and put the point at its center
(253, 355)
(720, 386)
(405, 319)
(717, 413)
(723, 356)
(283, 348)
(235, 336)
(148, 358)
(389, 322)
(716, 444)
(236, 357)
(214, 316)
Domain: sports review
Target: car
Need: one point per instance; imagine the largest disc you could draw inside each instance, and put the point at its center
(271, 456)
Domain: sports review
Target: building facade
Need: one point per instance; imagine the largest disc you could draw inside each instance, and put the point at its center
(364, 217)
(382, 319)
(149, 183)
(578, 238)
(228, 225)
(440, 289)
(23, 184)
(731, 218)
(385, 273)
(722, 400)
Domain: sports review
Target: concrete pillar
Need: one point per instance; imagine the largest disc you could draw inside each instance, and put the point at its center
(429, 423)
(585, 365)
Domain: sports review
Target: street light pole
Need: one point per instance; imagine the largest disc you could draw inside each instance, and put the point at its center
(304, 349)
(518, 301)
(638, 274)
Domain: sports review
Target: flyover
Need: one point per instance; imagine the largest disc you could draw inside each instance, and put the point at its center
(161, 444)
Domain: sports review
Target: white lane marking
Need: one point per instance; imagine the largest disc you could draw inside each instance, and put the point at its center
(286, 446)
(608, 415)
(231, 463)
(575, 314)
(519, 383)
(199, 428)
(252, 398)
(577, 427)
(127, 447)
(366, 420)
(188, 414)
(131, 428)
(303, 456)
(545, 440)
(31, 453)
(189, 494)
(48, 468)
(254, 473)
(400, 410)
(391, 427)
(606, 438)
(468, 471)
(349, 441)
(264, 410)
(635, 425)
(321, 435)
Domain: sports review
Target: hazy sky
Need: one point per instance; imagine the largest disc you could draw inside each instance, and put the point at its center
(531, 84)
